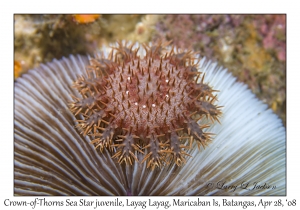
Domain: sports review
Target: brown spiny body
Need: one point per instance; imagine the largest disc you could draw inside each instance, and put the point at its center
(149, 105)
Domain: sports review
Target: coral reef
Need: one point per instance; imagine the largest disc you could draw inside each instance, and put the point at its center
(253, 47)
(40, 38)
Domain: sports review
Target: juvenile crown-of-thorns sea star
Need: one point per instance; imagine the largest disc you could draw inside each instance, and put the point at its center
(147, 103)
(145, 108)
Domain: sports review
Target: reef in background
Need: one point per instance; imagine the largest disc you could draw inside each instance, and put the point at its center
(252, 47)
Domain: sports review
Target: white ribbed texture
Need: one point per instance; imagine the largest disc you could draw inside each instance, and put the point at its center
(52, 158)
